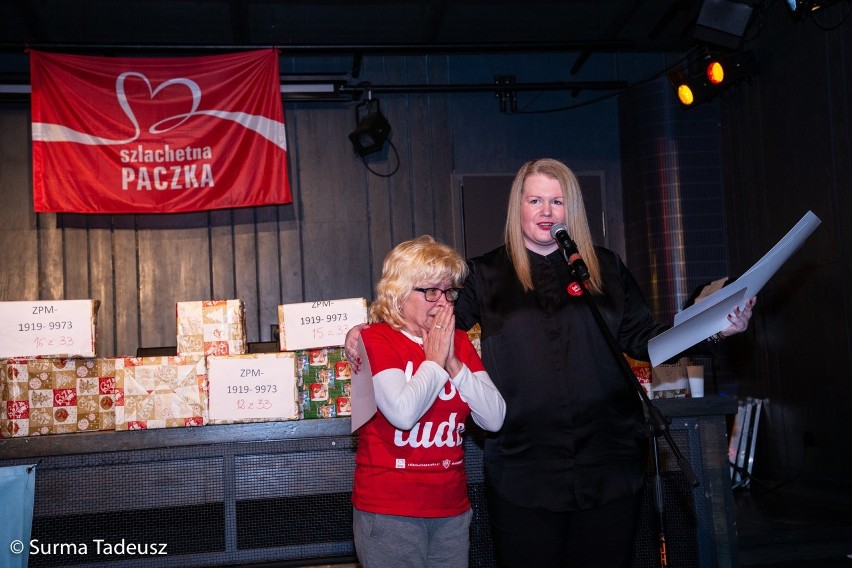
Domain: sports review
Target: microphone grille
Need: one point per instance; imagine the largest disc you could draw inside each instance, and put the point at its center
(556, 228)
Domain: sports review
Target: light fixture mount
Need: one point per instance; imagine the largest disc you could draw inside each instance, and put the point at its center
(372, 128)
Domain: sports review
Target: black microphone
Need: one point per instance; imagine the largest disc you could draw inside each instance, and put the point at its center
(559, 232)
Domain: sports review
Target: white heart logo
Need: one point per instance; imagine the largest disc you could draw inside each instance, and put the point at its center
(157, 128)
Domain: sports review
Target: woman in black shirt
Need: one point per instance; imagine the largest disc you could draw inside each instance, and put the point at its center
(564, 473)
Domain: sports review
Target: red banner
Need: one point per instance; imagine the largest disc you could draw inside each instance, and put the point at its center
(157, 135)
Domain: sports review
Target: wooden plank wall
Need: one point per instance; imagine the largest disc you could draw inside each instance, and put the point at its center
(329, 243)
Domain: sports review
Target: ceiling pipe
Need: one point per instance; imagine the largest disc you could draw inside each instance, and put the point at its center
(490, 87)
(414, 48)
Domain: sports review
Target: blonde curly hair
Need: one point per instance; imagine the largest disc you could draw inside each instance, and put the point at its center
(410, 264)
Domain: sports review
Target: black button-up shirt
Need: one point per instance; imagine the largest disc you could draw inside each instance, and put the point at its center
(573, 437)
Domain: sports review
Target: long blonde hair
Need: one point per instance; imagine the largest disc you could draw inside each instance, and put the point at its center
(575, 220)
(413, 263)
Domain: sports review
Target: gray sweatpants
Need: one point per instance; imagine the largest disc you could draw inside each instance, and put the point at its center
(390, 541)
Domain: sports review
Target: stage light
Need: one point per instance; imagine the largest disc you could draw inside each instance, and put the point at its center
(715, 72)
(711, 75)
(731, 68)
(372, 128)
(685, 94)
(690, 89)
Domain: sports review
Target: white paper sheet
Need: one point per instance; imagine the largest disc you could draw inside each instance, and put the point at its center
(704, 323)
(363, 397)
(710, 315)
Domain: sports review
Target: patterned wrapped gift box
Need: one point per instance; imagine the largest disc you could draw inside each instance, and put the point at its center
(56, 396)
(15, 398)
(160, 392)
(325, 382)
(211, 327)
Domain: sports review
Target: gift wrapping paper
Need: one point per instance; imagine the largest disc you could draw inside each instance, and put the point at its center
(325, 383)
(211, 327)
(160, 392)
(56, 396)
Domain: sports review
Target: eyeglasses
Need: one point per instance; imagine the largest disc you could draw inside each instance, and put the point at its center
(434, 294)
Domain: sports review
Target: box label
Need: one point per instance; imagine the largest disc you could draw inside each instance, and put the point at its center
(252, 387)
(310, 325)
(44, 329)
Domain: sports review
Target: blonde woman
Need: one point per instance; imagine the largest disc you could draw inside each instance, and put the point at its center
(564, 474)
(410, 490)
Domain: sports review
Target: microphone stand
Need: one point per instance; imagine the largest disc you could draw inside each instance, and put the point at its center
(657, 424)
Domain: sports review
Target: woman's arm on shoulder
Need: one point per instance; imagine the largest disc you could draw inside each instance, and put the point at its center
(350, 346)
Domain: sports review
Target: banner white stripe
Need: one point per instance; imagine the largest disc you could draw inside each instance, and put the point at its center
(272, 130)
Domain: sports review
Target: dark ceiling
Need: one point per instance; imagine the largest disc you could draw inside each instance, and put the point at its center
(424, 26)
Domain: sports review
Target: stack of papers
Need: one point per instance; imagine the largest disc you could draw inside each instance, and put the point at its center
(702, 319)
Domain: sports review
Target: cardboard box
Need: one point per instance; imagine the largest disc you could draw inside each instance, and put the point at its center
(313, 325)
(58, 328)
(670, 381)
(56, 396)
(325, 383)
(211, 327)
(259, 387)
(160, 392)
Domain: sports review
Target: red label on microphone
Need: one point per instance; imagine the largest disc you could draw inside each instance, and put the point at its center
(574, 289)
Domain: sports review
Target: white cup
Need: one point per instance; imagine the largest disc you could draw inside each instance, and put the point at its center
(696, 380)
